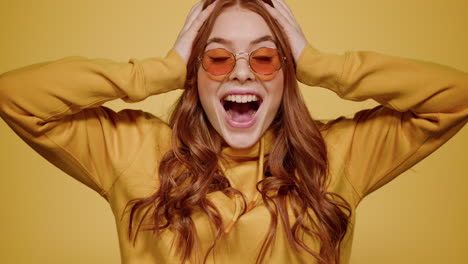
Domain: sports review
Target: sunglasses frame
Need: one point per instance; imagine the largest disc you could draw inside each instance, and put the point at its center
(282, 59)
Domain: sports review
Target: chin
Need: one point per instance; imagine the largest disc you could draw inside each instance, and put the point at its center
(241, 140)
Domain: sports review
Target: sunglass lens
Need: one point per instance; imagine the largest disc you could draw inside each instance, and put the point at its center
(218, 61)
(265, 61)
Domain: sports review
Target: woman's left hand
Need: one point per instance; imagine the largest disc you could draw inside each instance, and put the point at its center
(284, 16)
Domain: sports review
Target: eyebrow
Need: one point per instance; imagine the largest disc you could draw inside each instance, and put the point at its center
(227, 42)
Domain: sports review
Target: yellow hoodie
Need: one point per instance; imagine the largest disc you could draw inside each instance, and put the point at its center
(56, 108)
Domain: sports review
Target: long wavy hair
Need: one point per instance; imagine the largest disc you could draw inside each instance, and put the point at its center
(296, 171)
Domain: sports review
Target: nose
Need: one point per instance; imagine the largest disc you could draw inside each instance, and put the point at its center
(242, 71)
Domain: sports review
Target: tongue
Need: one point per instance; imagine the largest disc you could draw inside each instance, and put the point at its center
(241, 112)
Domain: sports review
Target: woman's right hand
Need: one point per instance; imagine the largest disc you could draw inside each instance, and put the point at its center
(195, 20)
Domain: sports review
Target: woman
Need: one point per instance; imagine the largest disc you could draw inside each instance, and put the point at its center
(247, 175)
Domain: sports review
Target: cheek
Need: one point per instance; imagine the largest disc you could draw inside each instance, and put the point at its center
(266, 78)
(207, 82)
(203, 85)
(214, 78)
(206, 90)
(276, 89)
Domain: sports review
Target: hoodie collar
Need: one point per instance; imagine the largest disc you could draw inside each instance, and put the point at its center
(259, 150)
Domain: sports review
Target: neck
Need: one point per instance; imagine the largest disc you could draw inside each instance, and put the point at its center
(253, 151)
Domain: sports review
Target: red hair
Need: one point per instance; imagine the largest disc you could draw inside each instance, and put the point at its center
(296, 172)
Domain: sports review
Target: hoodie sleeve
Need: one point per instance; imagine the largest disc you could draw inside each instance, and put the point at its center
(56, 108)
(422, 105)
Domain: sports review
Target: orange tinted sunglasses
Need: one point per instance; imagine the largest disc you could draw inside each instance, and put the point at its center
(219, 61)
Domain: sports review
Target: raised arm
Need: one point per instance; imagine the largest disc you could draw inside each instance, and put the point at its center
(55, 89)
(55, 107)
(423, 104)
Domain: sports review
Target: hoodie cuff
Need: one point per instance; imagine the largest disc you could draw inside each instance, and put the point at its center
(164, 75)
(316, 68)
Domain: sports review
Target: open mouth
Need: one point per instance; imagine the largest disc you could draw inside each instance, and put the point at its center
(241, 109)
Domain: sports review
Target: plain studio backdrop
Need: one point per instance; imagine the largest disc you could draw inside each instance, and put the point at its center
(49, 217)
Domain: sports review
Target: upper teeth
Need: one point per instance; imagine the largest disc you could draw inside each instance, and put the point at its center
(241, 98)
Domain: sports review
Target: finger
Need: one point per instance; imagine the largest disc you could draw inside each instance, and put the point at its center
(286, 12)
(276, 13)
(286, 8)
(194, 11)
(199, 16)
(196, 24)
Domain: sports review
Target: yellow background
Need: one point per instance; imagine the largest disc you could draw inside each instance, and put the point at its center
(48, 217)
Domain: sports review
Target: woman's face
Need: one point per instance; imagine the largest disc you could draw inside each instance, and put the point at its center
(224, 98)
